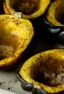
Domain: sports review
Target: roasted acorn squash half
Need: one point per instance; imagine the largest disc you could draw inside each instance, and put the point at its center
(54, 20)
(55, 14)
(15, 35)
(26, 8)
(44, 72)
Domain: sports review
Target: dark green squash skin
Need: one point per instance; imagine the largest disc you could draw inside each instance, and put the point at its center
(24, 84)
(28, 86)
(55, 31)
(38, 91)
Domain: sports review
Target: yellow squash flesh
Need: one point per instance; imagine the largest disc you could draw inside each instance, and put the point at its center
(52, 59)
(15, 35)
(55, 11)
(42, 5)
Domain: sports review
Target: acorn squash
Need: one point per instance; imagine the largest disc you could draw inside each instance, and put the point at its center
(29, 9)
(55, 14)
(53, 20)
(15, 35)
(44, 72)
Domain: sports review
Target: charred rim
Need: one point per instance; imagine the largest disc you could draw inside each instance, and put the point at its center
(59, 13)
(49, 66)
(27, 7)
(25, 85)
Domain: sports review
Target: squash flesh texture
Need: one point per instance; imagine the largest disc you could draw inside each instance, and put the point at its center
(55, 12)
(31, 68)
(59, 15)
(9, 41)
(8, 8)
(25, 6)
(14, 36)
